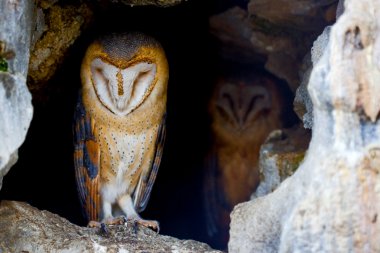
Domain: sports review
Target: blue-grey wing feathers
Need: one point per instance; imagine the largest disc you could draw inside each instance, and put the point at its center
(86, 162)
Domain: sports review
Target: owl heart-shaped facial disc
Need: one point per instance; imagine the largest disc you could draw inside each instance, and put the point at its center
(122, 90)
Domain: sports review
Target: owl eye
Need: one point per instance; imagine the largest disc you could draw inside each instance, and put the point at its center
(138, 81)
(142, 77)
(99, 70)
(226, 107)
(101, 76)
(223, 113)
(251, 113)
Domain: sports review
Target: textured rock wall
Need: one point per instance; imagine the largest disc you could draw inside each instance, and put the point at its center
(16, 109)
(302, 101)
(331, 202)
(163, 3)
(276, 33)
(58, 27)
(280, 157)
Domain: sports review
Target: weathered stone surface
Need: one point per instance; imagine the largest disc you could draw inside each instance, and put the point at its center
(340, 9)
(7, 166)
(302, 101)
(235, 31)
(280, 156)
(308, 15)
(249, 38)
(16, 114)
(24, 228)
(15, 28)
(163, 3)
(39, 28)
(15, 100)
(302, 105)
(330, 204)
(60, 26)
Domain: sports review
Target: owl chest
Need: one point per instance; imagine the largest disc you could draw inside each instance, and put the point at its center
(124, 155)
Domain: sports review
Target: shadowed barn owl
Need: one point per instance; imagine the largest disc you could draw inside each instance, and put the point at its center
(244, 110)
(119, 127)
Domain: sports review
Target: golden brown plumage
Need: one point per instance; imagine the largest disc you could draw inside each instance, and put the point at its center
(244, 110)
(120, 125)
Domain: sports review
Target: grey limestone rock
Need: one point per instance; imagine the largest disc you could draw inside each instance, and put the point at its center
(15, 100)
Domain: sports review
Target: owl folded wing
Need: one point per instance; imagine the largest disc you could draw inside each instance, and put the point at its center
(214, 198)
(210, 191)
(86, 162)
(148, 176)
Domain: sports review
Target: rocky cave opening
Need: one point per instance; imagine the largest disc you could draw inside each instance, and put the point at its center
(44, 173)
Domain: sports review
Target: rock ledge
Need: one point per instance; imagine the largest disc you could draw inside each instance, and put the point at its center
(24, 228)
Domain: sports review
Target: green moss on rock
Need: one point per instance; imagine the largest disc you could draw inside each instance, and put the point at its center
(3, 65)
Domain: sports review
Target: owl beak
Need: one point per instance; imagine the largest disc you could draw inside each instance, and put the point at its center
(240, 117)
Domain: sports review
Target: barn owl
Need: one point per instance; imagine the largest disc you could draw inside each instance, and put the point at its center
(119, 127)
(243, 111)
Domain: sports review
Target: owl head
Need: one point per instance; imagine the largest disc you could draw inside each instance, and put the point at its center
(123, 70)
(241, 103)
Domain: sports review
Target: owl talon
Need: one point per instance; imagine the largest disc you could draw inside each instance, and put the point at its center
(115, 221)
(100, 225)
(153, 225)
(135, 226)
(104, 229)
(94, 224)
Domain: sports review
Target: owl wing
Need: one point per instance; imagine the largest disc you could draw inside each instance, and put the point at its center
(216, 206)
(86, 162)
(148, 176)
(210, 198)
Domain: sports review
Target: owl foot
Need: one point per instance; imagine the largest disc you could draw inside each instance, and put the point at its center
(94, 224)
(115, 221)
(108, 221)
(104, 230)
(152, 224)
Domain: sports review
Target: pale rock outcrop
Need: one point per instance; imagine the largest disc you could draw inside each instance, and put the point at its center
(302, 102)
(331, 202)
(16, 108)
(303, 105)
